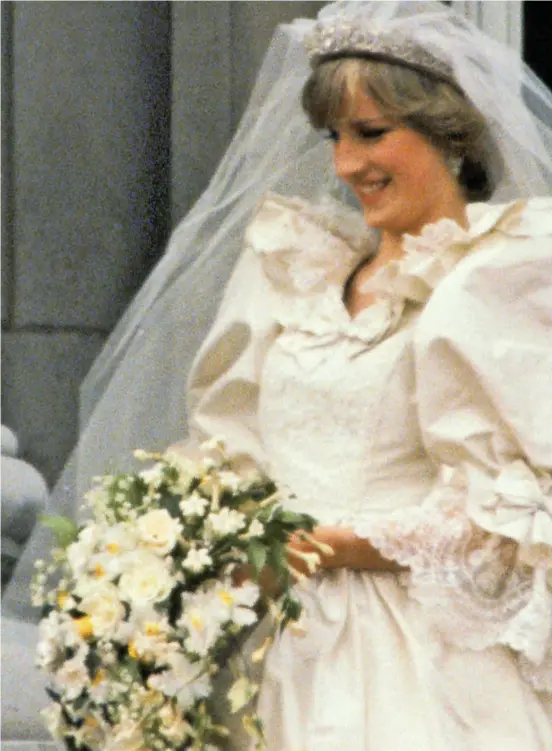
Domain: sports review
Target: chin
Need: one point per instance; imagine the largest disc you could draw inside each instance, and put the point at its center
(379, 220)
(394, 222)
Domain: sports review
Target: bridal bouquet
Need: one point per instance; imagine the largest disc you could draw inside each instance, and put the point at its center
(146, 611)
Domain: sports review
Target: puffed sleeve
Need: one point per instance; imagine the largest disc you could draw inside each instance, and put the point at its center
(223, 386)
(293, 249)
(479, 549)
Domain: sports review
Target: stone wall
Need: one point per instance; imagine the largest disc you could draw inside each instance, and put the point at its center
(115, 116)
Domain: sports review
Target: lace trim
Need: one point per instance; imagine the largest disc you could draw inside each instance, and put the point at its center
(470, 583)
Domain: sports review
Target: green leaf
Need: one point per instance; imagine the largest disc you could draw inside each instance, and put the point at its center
(64, 529)
(277, 557)
(257, 554)
(297, 520)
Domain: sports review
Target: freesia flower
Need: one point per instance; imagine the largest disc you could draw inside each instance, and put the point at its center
(173, 726)
(154, 476)
(72, 678)
(202, 620)
(80, 551)
(183, 680)
(99, 687)
(90, 734)
(235, 603)
(127, 736)
(186, 469)
(54, 721)
(147, 631)
(225, 522)
(197, 559)
(195, 505)
(256, 529)
(49, 640)
(229, 481)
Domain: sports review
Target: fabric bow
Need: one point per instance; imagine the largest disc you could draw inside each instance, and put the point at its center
(520, 507)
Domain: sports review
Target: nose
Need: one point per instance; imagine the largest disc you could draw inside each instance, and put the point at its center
(350, 157)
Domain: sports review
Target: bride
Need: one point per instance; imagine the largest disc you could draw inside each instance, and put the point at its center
(389, 366)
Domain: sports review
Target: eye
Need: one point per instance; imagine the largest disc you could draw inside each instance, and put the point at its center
(370, 134)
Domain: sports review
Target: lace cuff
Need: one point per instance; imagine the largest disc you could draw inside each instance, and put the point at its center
(473, 585)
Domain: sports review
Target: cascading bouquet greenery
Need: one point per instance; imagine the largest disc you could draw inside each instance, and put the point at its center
(146, 608)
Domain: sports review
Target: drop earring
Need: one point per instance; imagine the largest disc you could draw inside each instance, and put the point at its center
(454, 164)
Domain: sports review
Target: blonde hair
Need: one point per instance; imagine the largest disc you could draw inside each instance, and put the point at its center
(435, 108)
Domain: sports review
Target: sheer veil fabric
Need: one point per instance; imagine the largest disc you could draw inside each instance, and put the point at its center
(135, 394)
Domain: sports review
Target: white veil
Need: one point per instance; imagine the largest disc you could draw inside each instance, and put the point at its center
(135, 394)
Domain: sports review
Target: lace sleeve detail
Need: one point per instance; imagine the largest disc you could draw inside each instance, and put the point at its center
(477, 588)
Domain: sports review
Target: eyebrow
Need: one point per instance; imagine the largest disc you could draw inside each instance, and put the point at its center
(375, 122)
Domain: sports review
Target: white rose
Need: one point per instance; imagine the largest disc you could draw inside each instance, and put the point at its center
(146, 580)
(119, 539)
(158, 531)
(225, 522)
(104, 608)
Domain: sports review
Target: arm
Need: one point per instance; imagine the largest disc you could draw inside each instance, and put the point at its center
(479, 549)
(350, 551)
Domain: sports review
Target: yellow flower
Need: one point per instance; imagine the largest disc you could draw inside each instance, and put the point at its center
(100, 677)
(99, 570)
(84, 626)
(62, 599)
(152, 629)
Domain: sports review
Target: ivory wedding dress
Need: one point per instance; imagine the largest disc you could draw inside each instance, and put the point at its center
(424, 423)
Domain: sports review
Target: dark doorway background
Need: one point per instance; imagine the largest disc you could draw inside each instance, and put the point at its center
(537, 38)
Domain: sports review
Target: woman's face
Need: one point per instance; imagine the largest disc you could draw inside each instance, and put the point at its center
(399, 177)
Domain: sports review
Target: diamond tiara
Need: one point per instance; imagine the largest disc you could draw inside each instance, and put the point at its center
(346, 39)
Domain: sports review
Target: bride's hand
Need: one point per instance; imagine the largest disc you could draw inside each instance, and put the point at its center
(323, 548)
(304, 558)
(349, 551)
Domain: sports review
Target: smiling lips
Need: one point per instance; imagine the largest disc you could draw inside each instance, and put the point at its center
(367, 190)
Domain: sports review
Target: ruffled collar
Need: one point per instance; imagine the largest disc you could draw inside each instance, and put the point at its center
(310, 251)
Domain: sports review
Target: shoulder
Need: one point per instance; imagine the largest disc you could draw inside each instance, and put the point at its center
(305, 246)
(505, 282)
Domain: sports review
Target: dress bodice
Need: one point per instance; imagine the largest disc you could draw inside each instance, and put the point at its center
(339, 425)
